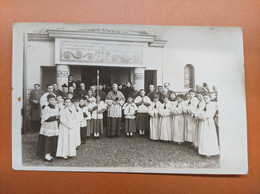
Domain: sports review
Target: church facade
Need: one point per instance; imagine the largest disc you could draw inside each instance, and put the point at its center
(143, 55)
(120, 57)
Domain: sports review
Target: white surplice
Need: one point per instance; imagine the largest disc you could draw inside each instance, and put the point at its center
(154, 120)
(66, 140)
(165, 122)
(79, 118)
(178, 123)
(197, 111)
(208, 140)
(190, 121)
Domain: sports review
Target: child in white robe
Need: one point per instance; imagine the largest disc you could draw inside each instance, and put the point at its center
(178, 122)
(199, 108)
(208, 140)
(187, 119)
(142, 119)
(129, 110)
(66, 141)
(88, 118)
(60, 102)
(99, 107)
(79, 119)
(165, 124)
(155, 118)
(92, 102)
(190, 121)
(49, 132)
(214, 99)
(173, 101)
(83, 124)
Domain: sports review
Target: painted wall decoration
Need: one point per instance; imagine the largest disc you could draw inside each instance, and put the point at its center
(95, 52)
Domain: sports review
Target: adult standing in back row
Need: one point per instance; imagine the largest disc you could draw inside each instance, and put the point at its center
(166, 87)
(151, 92)
(35, 107)
(70, 80)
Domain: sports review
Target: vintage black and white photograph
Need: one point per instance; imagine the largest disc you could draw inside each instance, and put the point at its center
(128, 98)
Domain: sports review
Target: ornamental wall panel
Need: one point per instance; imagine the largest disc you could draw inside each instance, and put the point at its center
(98, 53)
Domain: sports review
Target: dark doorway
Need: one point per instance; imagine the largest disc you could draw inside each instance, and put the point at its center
(150, 78)
(48, 76)
(89, 75)
(107, 75)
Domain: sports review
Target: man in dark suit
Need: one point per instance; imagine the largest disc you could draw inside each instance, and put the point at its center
(65, 90)
(70, 78)
(135, 92)
(35, 97)
(82, 90)
(56, 90)
(128, 90)
(93, 90)
(102, 94)
(151, 92)
(160, 93)
(72, 92)
(167, 87)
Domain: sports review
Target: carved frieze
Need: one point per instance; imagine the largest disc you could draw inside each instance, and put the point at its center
(95, 52)
(139, 76)
(62, 74)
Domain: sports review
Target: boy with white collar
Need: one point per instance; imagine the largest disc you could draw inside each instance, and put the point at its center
(49, 132)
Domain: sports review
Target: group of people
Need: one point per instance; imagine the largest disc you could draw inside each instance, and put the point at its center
(70, 116)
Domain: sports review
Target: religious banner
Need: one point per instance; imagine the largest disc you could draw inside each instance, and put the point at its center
(87, 52)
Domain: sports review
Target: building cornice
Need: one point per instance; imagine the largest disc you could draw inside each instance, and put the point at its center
(158, 43)
(38, 37)
(100, 35)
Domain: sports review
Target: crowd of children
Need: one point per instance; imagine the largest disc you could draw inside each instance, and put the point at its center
(186, 119)
(67, 122)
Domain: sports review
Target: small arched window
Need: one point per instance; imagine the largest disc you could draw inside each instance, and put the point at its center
(189, 76)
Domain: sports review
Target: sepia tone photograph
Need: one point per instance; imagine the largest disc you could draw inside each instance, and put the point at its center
(128, 98)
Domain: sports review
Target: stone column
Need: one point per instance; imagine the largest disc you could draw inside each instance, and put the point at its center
(63, 72)
(139, 77)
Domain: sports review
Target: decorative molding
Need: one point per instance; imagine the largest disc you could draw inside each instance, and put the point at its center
(95, 35)
(38, 37)
(138, 76)
(158, 43)
(99, 35)
(99, 30)
(62, 74)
